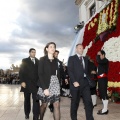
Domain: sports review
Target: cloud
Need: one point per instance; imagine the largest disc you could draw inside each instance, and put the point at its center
(38, 23)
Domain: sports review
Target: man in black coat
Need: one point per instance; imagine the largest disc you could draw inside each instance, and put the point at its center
(28, 77)
(79, 86)
(102, 71)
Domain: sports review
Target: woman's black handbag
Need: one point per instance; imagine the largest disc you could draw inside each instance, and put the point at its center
(91, 82)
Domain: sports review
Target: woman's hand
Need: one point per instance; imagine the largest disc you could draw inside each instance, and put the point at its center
(46, 92)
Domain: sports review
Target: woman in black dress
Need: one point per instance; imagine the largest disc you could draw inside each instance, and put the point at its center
(49, 86)
(92, 73)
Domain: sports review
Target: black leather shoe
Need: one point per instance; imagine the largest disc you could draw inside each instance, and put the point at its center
(35, 118)
(104, 113)
(51, 107)
(26, 116)
(95, 105)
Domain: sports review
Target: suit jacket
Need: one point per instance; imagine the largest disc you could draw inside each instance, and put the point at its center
(29, 74)
(76, 72)
(44, 72)
(61, 70)
(103, 65)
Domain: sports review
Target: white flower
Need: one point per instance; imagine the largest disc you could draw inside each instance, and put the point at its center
(112, 49)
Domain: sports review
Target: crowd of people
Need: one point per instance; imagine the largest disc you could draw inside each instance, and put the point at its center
(48, 79)
(10, 79)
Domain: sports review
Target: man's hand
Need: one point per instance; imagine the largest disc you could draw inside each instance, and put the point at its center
(46, 92)
(23, 84)
(66, 81)
(76, 84)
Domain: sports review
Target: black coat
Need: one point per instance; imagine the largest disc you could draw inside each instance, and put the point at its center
(61, 70)
(29, 74)
(76, 72)
(103, 65)
(44, 72)
(92, 67)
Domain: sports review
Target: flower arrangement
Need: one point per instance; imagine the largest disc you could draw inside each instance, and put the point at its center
(107, 20)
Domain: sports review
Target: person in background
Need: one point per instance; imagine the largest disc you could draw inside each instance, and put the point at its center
(60, 65)
(92, 72)
(65, 83)
(49, 85)
(28, 78)
(102, 71)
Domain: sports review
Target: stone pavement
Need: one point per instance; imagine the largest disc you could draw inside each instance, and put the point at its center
(11, 107)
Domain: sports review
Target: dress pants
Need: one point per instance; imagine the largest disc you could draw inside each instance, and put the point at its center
(27, 104)
(76, 94)
(102, 87)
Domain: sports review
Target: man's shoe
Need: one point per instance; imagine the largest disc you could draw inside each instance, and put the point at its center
(26, 116)
(104, 113)
(95, 105)
(35, 118)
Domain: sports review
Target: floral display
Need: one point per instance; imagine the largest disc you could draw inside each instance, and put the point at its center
(107, 20)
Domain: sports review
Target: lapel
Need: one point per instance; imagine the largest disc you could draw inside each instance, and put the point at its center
(30, 62)
(77, 59)
(86, 63)
(47, 64)
(58, 66)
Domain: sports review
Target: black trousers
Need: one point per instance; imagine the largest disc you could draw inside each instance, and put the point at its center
(76, 94)
(93, 91)
(27, 104)
(102, 87)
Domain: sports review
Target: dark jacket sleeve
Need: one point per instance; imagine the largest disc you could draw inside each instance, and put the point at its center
(41, 82)
(71, 69)
(22, 71)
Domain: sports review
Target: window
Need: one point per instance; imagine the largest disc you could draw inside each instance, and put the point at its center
(92, 10)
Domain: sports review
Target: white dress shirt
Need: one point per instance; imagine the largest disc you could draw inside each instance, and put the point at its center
(33, 59)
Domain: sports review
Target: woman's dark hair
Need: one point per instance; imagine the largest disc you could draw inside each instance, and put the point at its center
(103, 52)
(47, 45)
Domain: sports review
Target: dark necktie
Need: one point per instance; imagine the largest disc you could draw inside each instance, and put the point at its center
(81, 61)
(33, 60)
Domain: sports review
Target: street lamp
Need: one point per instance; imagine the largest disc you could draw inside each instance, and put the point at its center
(79, 26)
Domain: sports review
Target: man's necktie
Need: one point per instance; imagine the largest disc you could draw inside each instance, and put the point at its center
(83, 66)
(81, 61)
(33, 60)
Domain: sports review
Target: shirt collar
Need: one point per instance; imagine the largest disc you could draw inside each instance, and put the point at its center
(79, 55)
(32, 58)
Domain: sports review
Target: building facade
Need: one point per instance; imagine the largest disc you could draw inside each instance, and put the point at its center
(87, 8)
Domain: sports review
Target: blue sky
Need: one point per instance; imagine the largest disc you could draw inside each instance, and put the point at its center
(33, 23)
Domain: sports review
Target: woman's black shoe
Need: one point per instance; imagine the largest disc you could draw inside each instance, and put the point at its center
(51, 107)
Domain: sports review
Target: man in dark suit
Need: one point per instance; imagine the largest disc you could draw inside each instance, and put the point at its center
(102, 71)
(79, 86)
(28, 77)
